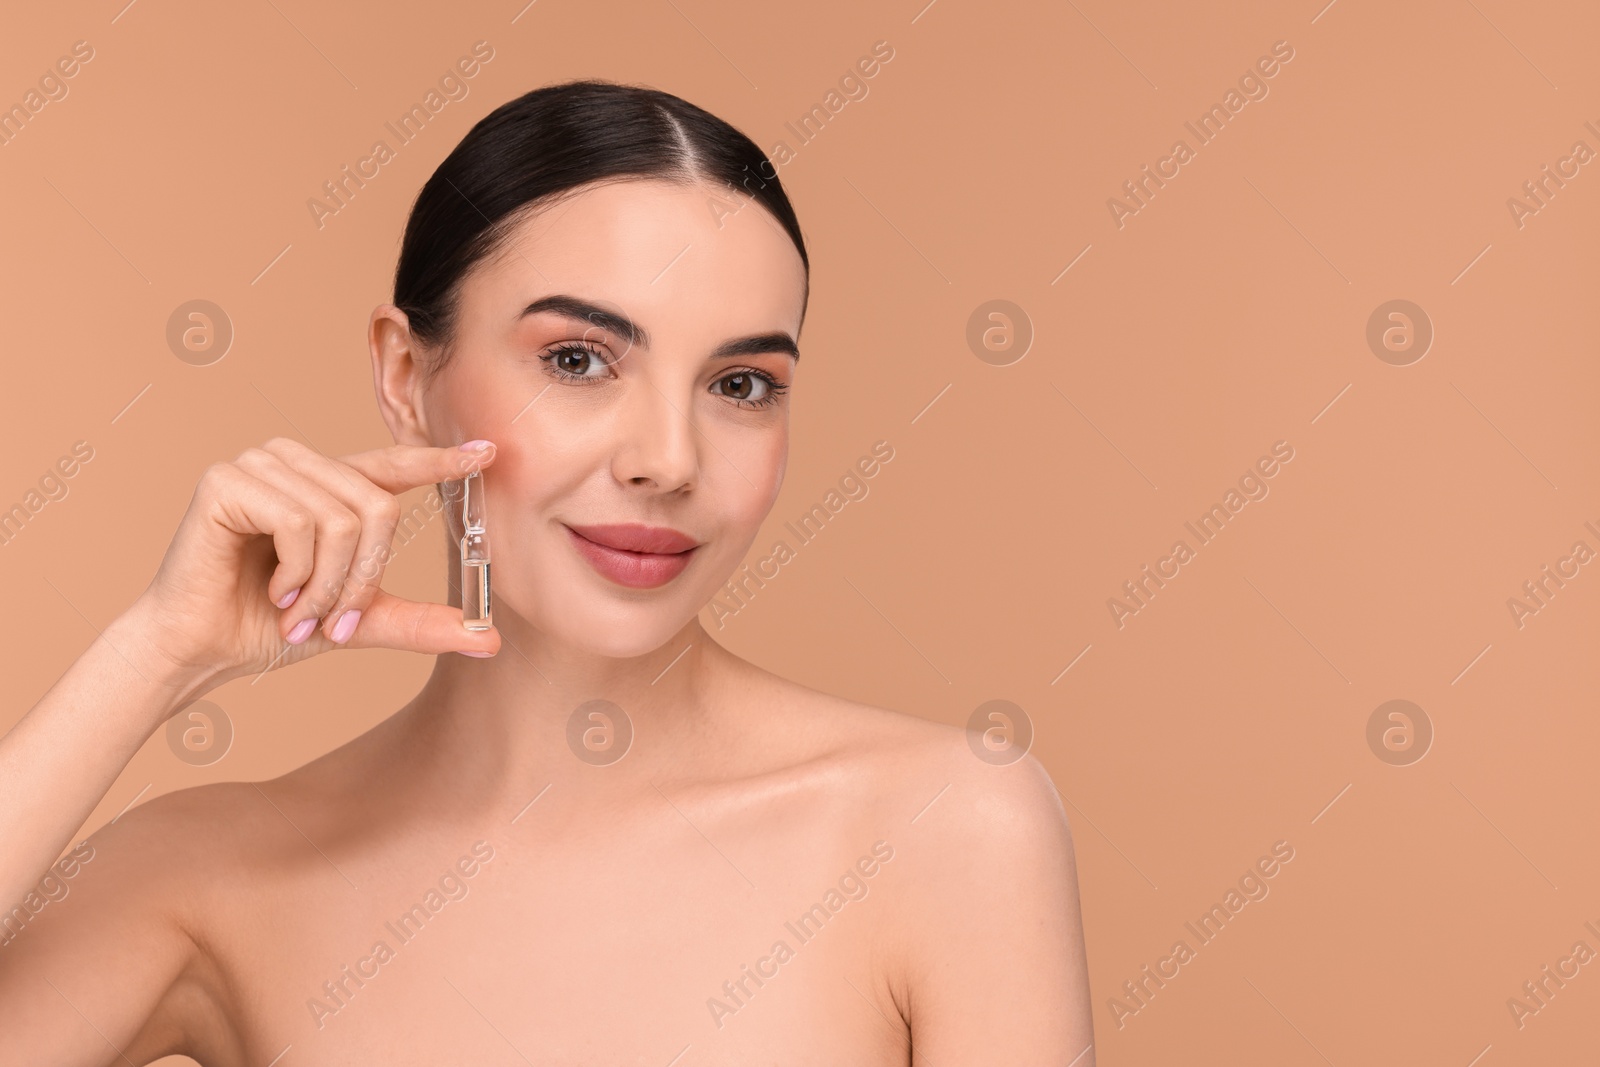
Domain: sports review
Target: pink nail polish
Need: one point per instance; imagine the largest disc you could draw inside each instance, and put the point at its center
(345, 627)
(476, 446)
(479, 655)
(302, 631)
(288, 598)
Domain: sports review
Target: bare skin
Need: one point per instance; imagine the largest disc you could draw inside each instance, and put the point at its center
(567, 911)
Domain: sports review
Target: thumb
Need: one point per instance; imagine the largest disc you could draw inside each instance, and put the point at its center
(392, 622)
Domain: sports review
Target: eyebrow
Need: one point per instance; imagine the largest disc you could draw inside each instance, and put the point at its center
(580, 310)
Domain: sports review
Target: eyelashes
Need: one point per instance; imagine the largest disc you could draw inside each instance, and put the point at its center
(576, 351)
(573, 349)
(774, 388)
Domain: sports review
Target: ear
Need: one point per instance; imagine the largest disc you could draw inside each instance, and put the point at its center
(397, 375)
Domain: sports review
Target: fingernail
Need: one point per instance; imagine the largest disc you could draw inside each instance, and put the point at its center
(288, 598)
(345, 627)
(476, 446)
(302, 631)
(479, 655)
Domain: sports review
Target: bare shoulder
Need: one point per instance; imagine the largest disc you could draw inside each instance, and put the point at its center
(173, 851)
(157, 838)
(172, 869)
(977, 913)
(123, 920)
(979, 792)
(980, 879)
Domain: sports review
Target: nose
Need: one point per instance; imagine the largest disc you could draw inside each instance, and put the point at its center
(658, 447)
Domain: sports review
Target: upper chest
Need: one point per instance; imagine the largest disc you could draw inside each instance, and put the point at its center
(631, 941)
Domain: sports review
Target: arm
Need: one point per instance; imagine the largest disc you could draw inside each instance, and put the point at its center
(996, 968)
(277, 520)
(58, 762)
(108, 972)
(83, 959)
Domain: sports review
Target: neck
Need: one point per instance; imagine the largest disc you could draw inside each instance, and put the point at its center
(541, 711)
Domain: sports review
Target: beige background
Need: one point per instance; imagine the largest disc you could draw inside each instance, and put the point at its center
(1225, 316)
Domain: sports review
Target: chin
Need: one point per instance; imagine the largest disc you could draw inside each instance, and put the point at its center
(633, 631)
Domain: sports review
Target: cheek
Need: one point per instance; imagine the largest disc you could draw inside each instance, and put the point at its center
(735, 504)
(471, 398)
(542, 460)
(746, 495)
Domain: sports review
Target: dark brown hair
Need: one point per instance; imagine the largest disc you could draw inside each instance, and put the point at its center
(549, 142)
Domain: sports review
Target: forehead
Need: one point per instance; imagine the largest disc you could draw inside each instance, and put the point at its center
(694, 260)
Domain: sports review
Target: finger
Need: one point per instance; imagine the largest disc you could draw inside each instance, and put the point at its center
(244, 504)
(400, 467)
(379, 512)
(338, 529)
(391, 622)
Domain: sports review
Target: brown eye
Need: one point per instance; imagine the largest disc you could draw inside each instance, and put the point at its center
(576, 361)
(749, 388)
(573, 360)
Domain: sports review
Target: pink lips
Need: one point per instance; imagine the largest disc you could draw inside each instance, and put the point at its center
(634, 555)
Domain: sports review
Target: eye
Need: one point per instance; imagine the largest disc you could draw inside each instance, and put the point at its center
(575, 360)
(750, 388)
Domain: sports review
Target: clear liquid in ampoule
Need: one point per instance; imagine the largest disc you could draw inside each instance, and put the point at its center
(475, 594)
(474, 545)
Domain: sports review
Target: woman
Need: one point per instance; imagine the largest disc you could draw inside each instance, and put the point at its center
(594, 836)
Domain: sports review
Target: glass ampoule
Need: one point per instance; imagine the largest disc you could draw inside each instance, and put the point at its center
(475, 606)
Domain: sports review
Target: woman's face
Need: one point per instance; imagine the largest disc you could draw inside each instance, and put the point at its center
(629, 352)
